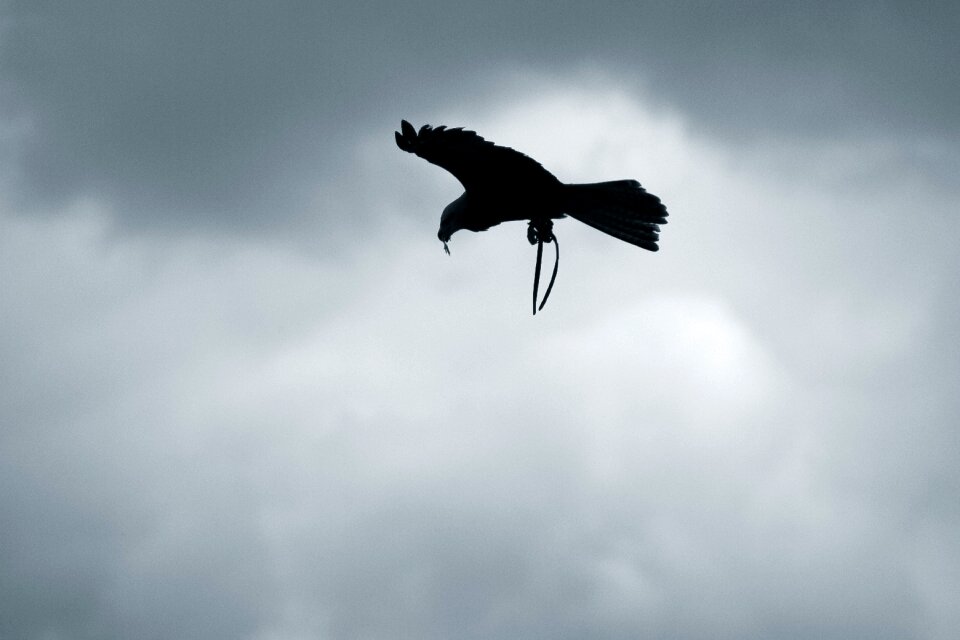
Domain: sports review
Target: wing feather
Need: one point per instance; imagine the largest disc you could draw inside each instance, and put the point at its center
(477, 163)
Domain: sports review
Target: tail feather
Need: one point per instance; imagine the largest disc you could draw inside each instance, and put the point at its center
(620, 208)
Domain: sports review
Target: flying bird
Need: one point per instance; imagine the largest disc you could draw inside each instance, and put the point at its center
(501, 184)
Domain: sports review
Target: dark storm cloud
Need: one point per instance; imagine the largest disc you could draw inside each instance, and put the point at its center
(228, 113)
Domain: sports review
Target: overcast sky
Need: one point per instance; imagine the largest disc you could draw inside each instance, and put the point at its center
(244, 393)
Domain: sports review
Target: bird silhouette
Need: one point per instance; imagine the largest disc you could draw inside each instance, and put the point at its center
(501, 184)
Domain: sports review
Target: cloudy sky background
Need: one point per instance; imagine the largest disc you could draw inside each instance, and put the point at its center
(244, 394)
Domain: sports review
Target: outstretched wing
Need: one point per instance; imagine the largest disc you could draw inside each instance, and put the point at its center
(475, 162)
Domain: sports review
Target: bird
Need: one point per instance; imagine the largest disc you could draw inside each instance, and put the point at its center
(502, 184)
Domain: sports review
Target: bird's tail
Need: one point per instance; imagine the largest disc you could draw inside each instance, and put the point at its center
(620, 208)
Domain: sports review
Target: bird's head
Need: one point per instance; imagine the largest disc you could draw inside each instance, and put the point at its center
(451, 220)
(444, 236)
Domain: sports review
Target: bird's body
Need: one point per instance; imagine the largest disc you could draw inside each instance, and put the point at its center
(501, 184)
(480, 211)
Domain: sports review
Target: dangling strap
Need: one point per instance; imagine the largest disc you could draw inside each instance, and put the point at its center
(536, 274)
(553, 276)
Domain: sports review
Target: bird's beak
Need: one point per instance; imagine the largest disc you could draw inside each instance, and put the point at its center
(446, 248)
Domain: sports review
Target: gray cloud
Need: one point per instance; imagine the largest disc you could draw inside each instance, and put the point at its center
(747, 435)
(226, 114)
(231, 434)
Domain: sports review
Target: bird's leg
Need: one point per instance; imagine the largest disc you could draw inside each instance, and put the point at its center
(546, 230)
(540, 230)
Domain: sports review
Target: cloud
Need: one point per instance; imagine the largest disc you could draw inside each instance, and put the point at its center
(225, 116)
(231, 437)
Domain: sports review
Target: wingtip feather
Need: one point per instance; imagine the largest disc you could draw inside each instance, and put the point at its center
(407, 136)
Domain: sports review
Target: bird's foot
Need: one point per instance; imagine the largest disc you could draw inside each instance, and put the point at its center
(540, 231)
(532, 236)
